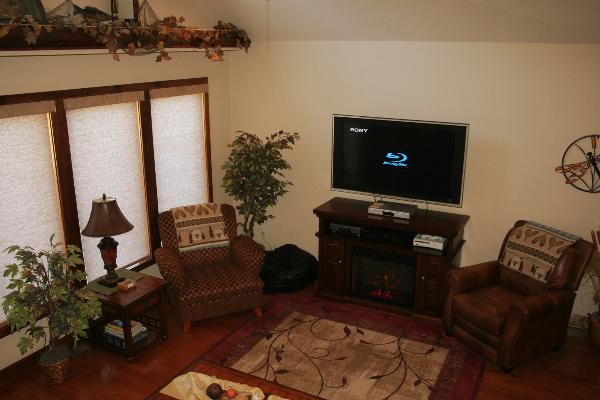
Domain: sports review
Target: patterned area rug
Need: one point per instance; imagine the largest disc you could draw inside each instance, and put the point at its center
(340, 351)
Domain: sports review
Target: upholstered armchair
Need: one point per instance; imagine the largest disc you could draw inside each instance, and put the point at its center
(208, 280)
(511, 309)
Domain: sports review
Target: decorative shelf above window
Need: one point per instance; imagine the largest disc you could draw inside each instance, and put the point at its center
(69, 27)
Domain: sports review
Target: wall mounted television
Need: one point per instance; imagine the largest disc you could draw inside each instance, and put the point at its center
(394, 158)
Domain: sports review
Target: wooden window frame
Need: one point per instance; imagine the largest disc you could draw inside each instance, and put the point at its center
(64, 166)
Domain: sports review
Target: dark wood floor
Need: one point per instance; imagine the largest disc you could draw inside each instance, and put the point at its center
(571, 373)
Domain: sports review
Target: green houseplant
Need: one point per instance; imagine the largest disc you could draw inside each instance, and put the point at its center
(48, 285)
(254, 174)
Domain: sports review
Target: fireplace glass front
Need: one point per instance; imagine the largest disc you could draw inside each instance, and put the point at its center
(383, 276)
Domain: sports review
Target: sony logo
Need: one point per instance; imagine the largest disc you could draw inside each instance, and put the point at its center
(359, 130)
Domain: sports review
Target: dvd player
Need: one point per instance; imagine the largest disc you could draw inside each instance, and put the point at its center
(395, 210)
(430, 242)
(345, 230)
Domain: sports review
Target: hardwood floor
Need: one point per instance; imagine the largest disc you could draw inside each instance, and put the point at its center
(571, 373)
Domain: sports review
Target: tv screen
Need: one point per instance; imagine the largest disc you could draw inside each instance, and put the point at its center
(414, 160)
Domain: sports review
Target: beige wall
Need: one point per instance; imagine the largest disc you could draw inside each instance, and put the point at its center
(524, 102)
(36, 74)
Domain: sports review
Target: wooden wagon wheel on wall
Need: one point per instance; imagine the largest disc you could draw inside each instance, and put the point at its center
(581, 164)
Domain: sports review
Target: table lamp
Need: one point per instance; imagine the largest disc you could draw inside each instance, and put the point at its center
(106, 220)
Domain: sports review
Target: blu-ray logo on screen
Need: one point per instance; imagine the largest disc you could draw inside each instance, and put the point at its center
(396, 159)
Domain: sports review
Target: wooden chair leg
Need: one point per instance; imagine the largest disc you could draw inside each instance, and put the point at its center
(186, 326)
(258, 312)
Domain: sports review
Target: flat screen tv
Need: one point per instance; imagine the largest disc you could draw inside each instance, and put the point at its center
(414, 160)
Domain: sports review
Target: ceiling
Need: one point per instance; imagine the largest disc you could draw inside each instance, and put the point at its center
(545, 21)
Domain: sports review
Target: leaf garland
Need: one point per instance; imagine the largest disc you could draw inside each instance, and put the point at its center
(138, 40)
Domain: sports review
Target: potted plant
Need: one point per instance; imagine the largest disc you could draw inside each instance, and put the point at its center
(253, 174)
(48, 299)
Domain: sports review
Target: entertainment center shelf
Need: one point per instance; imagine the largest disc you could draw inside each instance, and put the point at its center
(343, 258)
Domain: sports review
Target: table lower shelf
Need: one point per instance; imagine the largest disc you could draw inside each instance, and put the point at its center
(120, 346)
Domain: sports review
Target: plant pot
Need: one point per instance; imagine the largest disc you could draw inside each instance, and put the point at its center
(56, 365)
(594, 328)
(57, 373)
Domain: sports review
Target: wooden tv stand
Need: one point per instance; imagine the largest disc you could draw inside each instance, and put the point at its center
(391, 235)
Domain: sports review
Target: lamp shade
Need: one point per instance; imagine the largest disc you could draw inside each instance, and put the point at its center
(106, 219)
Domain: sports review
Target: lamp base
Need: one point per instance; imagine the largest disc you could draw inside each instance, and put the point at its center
(110, 281)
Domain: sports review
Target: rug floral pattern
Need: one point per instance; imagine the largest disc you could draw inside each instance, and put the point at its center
(339, 351)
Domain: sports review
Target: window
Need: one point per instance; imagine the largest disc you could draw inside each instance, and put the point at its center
(30, 211)
(146, 144)
(106, 158)
(180, 180)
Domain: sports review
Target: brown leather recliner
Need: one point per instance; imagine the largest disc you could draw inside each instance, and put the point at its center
(209, 282)
(509, 317)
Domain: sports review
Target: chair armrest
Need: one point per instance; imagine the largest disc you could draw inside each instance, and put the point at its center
(171, 266)
(538, 322)
(248, 253)
(468, 278)
(464, 279)
(542, 304)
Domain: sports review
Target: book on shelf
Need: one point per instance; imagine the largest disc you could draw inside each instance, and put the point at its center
(119, 342)
(115, 328)
(134, 330)
(118, 324)
(121, 335)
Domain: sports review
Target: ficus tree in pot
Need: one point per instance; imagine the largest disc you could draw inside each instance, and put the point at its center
(48, 285)
(254, 174)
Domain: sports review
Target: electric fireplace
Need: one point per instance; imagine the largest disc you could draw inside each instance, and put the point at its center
(383, 276)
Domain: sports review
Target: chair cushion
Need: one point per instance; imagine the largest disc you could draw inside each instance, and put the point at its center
(200, 226)
(218, 281)
(205, 257)
(486, 307)
(520, 282)
(564, 271)
(536, 250)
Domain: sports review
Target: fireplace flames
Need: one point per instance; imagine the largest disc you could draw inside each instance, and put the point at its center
(384, 287)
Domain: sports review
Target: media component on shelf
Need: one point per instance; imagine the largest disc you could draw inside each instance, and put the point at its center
(430, 242)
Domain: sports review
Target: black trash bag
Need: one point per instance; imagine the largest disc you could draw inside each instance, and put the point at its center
(288, 268)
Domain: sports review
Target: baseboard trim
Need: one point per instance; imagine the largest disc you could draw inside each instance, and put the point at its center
(12, 368)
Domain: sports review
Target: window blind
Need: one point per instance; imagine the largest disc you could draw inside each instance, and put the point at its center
(30, 211)
(178, 91)
(25, 109)
(179, 150)
(75, 103)
(106, 157)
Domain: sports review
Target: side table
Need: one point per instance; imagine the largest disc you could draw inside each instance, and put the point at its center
(144, 303)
